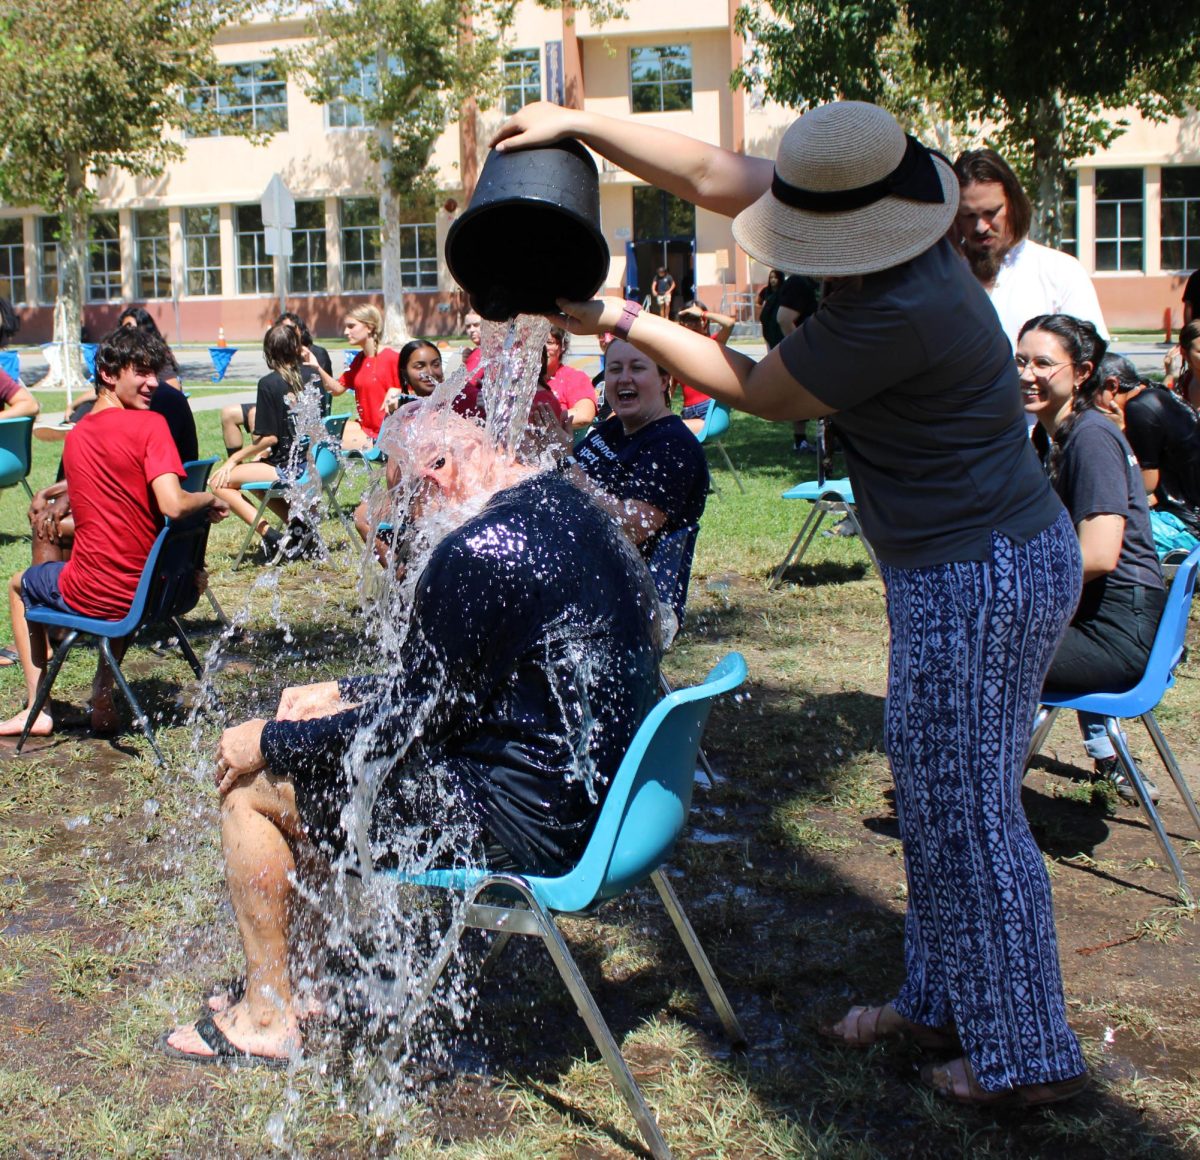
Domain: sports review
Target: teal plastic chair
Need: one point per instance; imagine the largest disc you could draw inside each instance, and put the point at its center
(828, 497)
(639, 823)
(16, 452)
(166, 590)
(716, 423)
(326, 463)
(10, 364)
(1141, 701)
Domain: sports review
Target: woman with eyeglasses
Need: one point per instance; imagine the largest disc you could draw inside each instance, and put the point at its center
(1096, 475)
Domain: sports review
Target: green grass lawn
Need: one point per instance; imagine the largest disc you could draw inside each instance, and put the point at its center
(113, 918)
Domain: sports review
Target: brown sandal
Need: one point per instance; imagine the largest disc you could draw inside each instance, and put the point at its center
(956, 1081)
(860, 1027)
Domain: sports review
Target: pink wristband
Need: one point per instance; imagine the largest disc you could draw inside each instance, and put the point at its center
(631, 311)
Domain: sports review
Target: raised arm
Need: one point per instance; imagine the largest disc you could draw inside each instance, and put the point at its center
(708, 176)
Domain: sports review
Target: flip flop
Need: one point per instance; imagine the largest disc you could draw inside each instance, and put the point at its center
(961, 1086)
(863, 1030)
(8, 657)
(224, 1053)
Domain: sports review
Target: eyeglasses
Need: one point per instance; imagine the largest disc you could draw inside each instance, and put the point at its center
(1040, 363)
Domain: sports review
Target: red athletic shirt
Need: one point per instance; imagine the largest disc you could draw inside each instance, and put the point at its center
(691, 396)
(570, 386)
(472, 365)
(110, 460)
(370, 379)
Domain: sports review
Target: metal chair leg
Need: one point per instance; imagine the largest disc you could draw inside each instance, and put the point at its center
(185, 647)
(25, 485)
(1042, 724)
(601, 1035)
(139, 714)
(42, 696)
(816, 515)
(687, 935)
(258, 515)
(495, 951)
(1139, 786)
(1172, 766)
(729, 463)
(217, 608)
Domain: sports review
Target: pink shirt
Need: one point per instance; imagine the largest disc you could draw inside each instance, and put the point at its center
(571, 386)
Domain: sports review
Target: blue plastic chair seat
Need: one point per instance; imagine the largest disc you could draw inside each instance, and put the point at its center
(828, 497)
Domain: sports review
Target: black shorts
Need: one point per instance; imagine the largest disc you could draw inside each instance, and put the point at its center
(247, 422)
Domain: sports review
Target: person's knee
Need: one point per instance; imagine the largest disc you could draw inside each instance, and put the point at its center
(232, 413)
(14, 584)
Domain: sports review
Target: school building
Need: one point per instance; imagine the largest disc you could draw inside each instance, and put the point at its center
(190, 244)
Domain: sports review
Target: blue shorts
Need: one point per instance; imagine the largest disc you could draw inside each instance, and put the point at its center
(39, 585)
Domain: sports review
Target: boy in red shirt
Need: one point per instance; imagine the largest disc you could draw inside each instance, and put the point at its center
(124, 475)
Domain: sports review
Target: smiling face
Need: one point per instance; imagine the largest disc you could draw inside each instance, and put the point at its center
(423, 371)
(133, 387)
(1048, 376)
(633, 386)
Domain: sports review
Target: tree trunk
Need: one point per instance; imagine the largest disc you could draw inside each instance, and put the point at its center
(68, 305)
(1046, 131)
(395, 325)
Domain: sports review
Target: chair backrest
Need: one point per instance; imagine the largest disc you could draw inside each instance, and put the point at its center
(671, 567)
(716, 421)
(16, 449)
(1172, 627)
(336, 424)
(170, 577)
(648, 801)
(326, 461)
(197, 471)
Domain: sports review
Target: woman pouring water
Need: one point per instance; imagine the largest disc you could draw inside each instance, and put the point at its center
(980, 561)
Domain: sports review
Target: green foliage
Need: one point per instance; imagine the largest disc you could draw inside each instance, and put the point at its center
(1038, 83)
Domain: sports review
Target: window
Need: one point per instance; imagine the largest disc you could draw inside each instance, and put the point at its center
(418, 257)
(307, 272)
(103, 258)
(1181, 217)
(151, 254)
(255, 267)
(362, 266)
(659, 216)
(12, 260)
(1069, 242)
(244, 97)
(1119, 207)
(47, 247)
(202, 250)
(522, 79)
(660, 78)
(346, 111)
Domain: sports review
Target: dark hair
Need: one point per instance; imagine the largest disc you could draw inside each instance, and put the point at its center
(1189, 334)
(129, 347)
(1117, 366)
(778, 275)
(144, 321)
(10, 321)
(291, 316)
(987, 167)
(563, 336)
(1082, 342)
(406, 352)
(282, 350)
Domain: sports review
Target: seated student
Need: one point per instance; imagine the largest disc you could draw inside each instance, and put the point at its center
(571, 387)
(646, 468)
(482, 726)
(16, 399)
(696, 316)
(238, 416)
(273, 456)
(1108, 641)
(124, 476)
(1164, 433)
(374, 372)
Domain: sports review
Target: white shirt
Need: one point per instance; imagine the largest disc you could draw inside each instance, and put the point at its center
(1035, 280)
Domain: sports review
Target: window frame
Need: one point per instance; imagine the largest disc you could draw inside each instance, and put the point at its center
(361, 235)
(208, 270)
(104, 284)
(306, 239)
(1188, 241)
(48, 248)
(254, 267)
(219, 98)
(159, 266)
(514, 93)
(418, 273)
(660, 84)
(1121, 240)
(12, 255)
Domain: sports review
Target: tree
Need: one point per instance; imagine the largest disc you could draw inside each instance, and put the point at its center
(87, 88)
(1042, 84)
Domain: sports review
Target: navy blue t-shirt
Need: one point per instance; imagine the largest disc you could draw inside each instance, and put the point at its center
(662, 465)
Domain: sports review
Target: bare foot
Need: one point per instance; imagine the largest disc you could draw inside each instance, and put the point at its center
(305, 1006)
(14, 726)
(238, 1035)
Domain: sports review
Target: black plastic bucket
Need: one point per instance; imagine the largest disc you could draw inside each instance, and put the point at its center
(531, 234)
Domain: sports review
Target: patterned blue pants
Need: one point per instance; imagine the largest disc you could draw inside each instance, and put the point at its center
(970, 646)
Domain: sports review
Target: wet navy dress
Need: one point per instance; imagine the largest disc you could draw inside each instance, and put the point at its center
(530, 663)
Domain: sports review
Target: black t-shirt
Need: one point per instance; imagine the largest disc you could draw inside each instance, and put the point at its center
(531, 660)
(664, 285)
(662, 464)
(322, 357)
(1165, 436)
(273, 414)
(172, 406)
(1098, 474)
(798, 293)
(1191, 292)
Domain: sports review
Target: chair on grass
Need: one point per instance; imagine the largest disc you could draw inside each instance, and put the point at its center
(828, 497)
(16, 451)
(1140, 701)
(197, 472)
(326, 463)
(716, 423)
(166, 590)
(639, 823)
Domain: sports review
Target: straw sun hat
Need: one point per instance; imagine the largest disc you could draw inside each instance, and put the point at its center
(852, 194)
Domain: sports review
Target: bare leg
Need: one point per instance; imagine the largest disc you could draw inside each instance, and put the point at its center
(354, 438)
(30, 642)
(231, 426)
(695, 426)
(238, 503)
(260, 828)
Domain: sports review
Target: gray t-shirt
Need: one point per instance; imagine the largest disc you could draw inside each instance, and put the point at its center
(1099, 475)
(929, 411)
